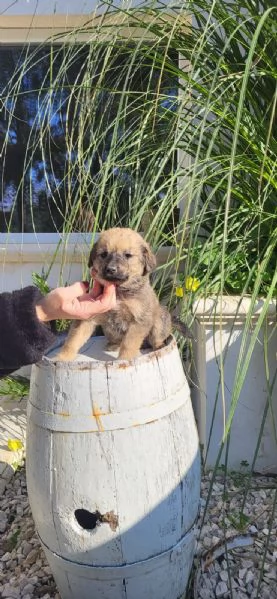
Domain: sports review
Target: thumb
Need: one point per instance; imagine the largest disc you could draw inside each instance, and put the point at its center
(76, 290)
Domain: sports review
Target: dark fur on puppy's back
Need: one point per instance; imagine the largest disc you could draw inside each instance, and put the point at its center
(123, 257)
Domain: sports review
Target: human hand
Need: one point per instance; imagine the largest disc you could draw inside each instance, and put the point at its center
(74, 302)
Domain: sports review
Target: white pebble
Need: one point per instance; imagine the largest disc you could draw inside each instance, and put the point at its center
(249, 577)
(26, 548)
(6, 557)
(271, 575)
(224, 575)
(205, 594)
(10, 592)
(253, 529)
(221, 589)
(247, 563)
(28, 589)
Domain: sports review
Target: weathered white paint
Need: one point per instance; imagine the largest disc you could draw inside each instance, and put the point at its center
(119, 438)
(162, 577)
(220, 325)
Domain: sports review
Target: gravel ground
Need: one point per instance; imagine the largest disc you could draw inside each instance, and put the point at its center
(245, 563)
(236, 555)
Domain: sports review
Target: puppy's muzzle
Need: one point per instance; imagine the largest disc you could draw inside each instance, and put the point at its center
(112, 273)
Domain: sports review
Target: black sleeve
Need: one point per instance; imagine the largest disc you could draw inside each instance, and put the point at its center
(23, 338)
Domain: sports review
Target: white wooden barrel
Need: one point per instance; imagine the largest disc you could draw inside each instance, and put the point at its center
(113, 473)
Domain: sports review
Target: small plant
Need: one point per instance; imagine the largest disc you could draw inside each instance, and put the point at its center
(11, 542)
(17, 464)
(14, 538)
(242, 476)
(41, 283)
(16, 387)
(239, 521)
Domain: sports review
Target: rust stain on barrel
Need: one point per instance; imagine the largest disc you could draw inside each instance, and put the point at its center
(96, 413)
(110, 518)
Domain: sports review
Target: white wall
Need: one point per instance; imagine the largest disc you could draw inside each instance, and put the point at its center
(46, 7)
(22, 255)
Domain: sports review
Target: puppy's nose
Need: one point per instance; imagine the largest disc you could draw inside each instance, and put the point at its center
(110, 269)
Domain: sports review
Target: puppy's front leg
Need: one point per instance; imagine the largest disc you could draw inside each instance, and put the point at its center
(132, 342)
(80, 331)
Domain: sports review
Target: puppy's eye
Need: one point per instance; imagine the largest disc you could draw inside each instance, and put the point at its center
(128, 255)
(103, 254)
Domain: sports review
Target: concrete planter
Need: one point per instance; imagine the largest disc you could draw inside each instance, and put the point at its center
(225, 329)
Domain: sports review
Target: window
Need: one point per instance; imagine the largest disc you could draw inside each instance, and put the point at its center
(84, 132)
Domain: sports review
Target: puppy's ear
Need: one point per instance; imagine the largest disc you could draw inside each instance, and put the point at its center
(92, 255)
(149, 260)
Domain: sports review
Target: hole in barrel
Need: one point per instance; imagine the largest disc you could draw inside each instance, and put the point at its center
(87, 520)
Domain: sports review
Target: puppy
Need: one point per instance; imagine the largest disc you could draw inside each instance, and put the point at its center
(122, 257)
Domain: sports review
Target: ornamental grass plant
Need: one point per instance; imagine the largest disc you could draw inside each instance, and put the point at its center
(162, 117)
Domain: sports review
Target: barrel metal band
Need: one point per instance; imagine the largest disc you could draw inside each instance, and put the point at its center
(100, 422)
(131, 569)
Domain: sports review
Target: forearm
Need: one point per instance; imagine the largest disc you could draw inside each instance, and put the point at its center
(23, 337)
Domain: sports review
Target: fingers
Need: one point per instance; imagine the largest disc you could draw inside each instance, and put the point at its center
(80, 290)
(96, 290)
(99, 300)
(104, 298)
(99, 293)
(109, 295)
(74, 302)
(76, 290)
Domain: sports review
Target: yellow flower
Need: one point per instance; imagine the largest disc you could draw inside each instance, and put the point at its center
(191, 284)
(179, 292)
(14, 444)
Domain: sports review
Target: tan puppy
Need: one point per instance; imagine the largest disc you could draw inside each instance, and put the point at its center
(123, 257)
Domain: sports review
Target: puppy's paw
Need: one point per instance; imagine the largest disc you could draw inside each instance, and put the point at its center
(128, 354)
(158, 344)
(65, 355)
(112, 346)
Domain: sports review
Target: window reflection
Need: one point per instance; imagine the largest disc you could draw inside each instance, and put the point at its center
(70, 135)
